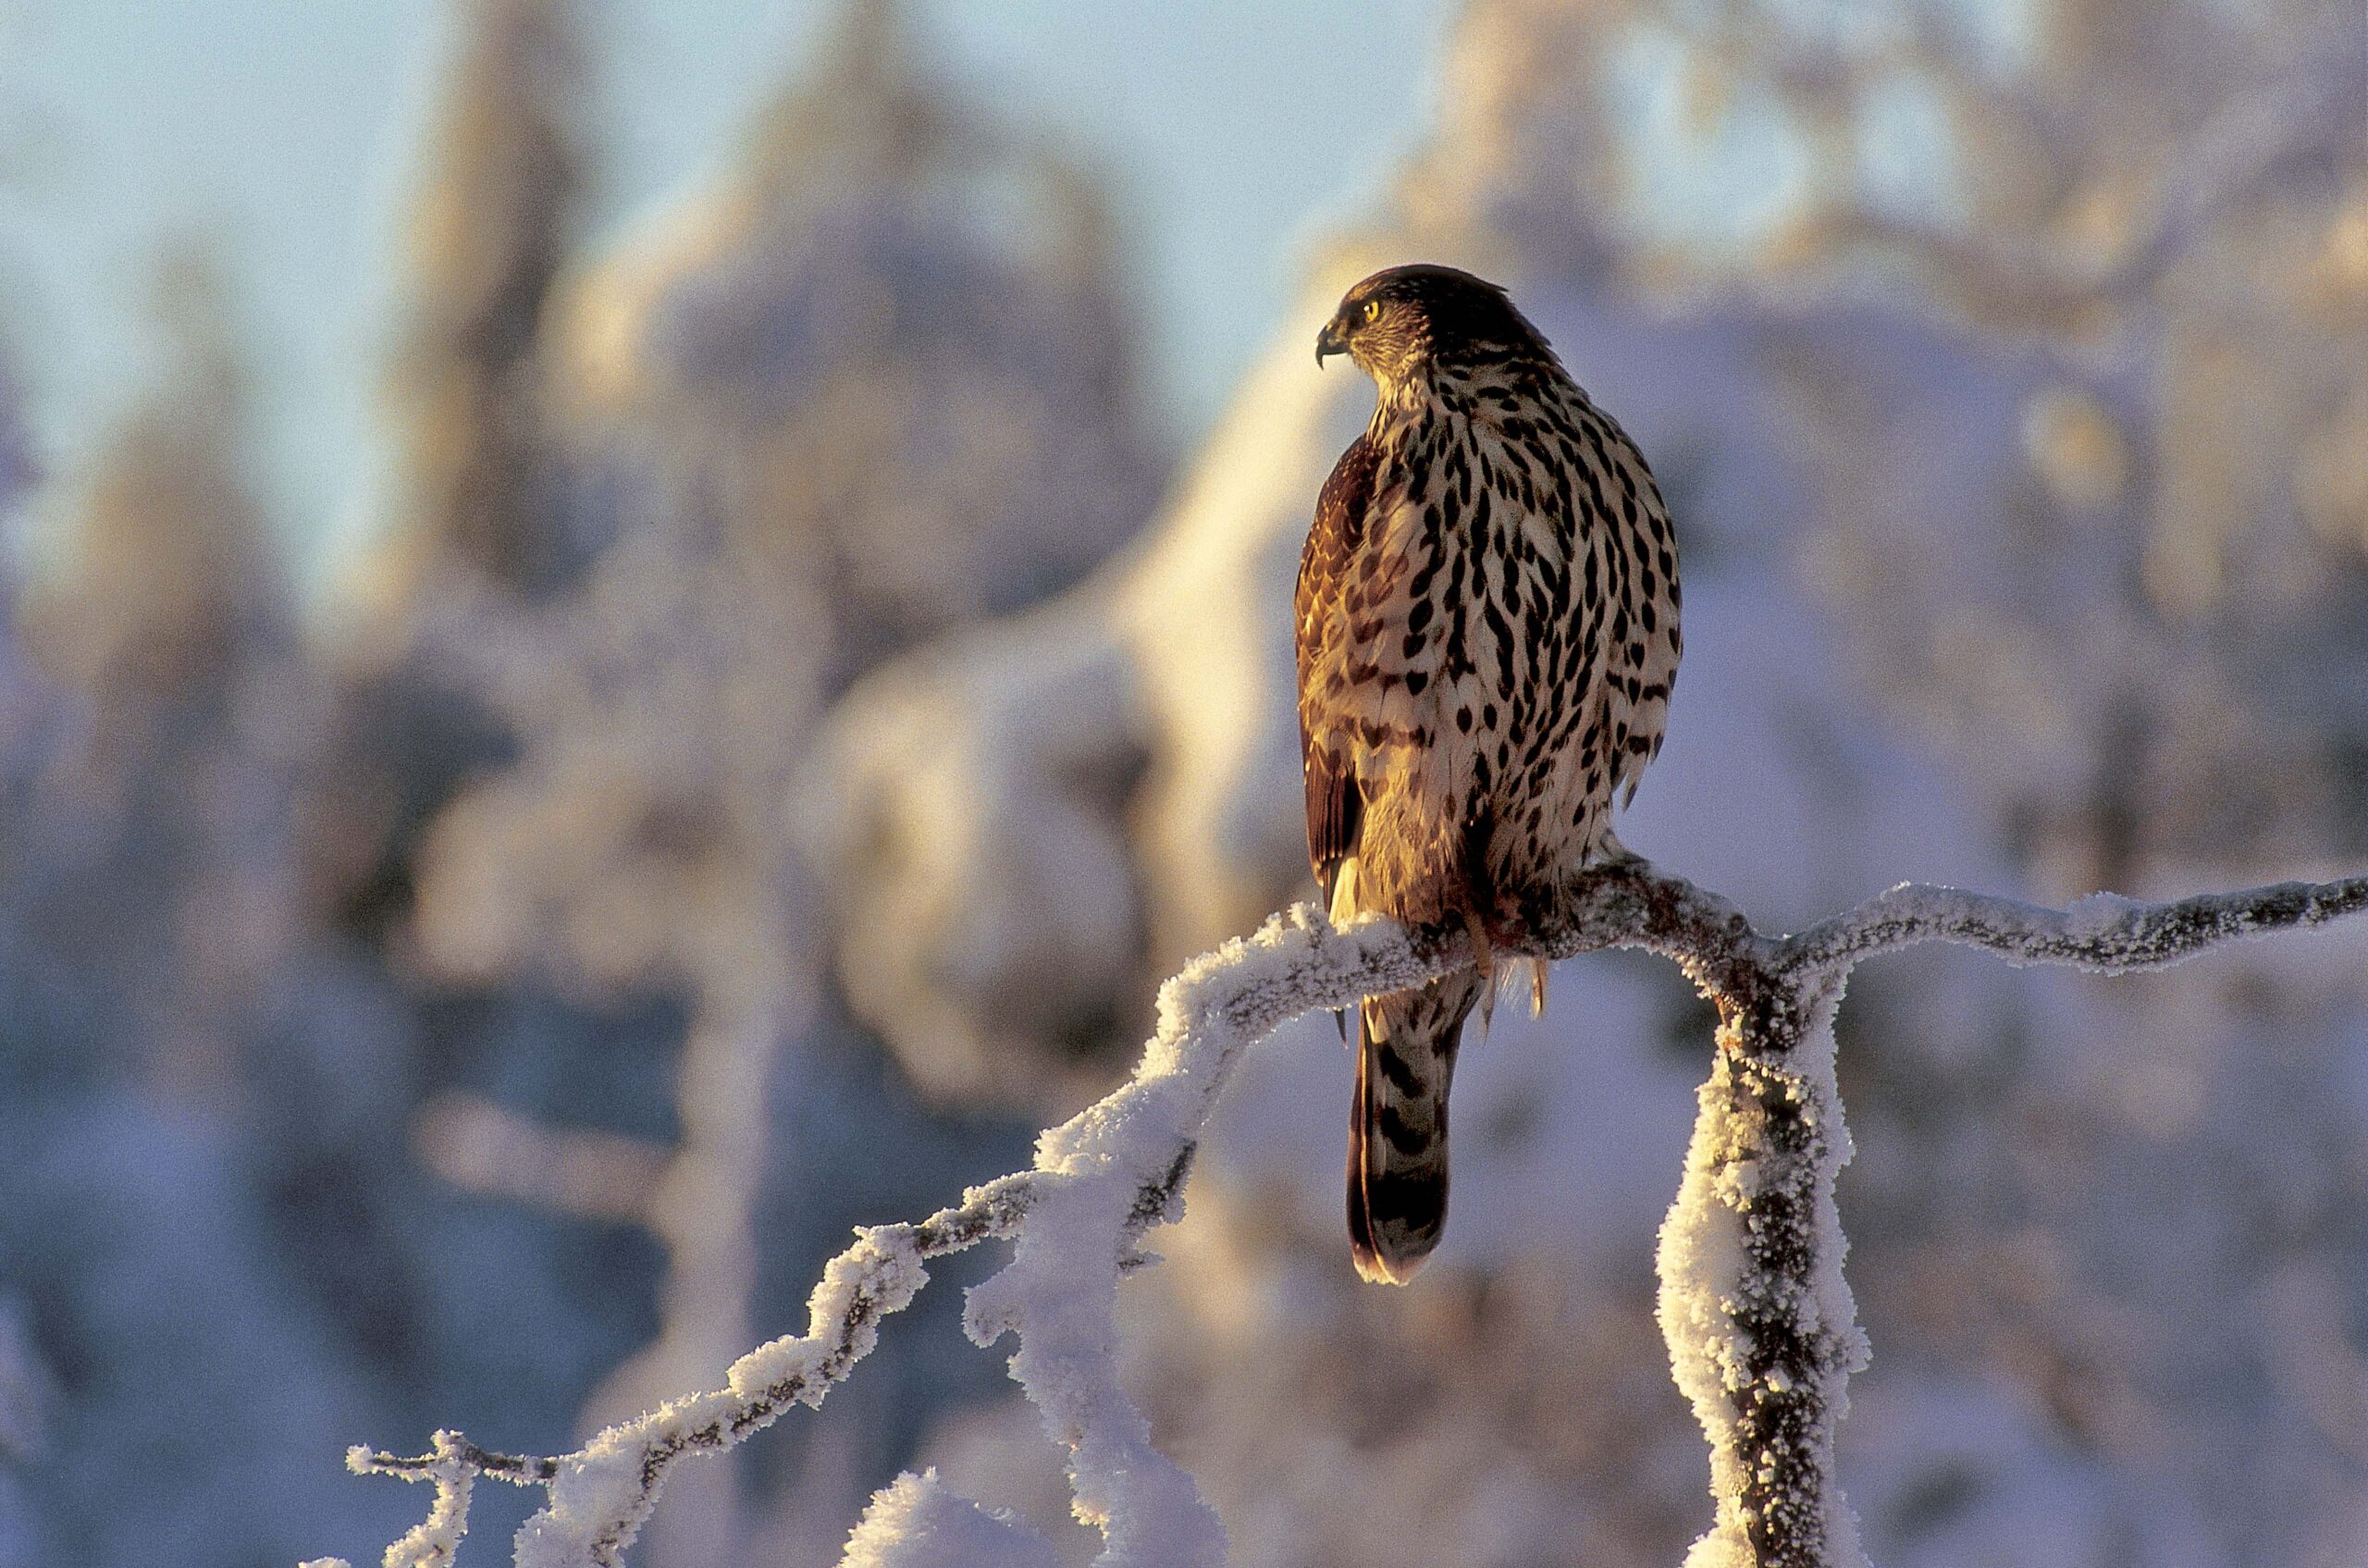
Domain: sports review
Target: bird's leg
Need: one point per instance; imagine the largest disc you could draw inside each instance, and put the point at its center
(1484, 958)
(1340, 900)
(1479, 894)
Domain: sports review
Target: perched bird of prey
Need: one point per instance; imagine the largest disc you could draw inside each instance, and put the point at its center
(1487, 634)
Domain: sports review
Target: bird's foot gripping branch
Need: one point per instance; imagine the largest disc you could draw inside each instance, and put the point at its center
(1759, 1324)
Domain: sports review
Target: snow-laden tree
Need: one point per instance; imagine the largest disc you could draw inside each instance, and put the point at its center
(881, 358)
(161, 615)
(470, 492)
(867, 384)
(2069, 373)
(154, 982)
(502, 178)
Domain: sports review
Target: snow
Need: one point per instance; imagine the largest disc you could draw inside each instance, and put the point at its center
(1059, 1294)
(1935, 1438)
(2103, 934)
(436, 1540)
(2022, 554)
(1708, 1277)
(600, 1496)
(1760, 1325)
(917, 1522)
(884, 1267)
(974, 803)
(1099, 1180)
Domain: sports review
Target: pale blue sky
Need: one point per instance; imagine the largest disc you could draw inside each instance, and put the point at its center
(1236, 131)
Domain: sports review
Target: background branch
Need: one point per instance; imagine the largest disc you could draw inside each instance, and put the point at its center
(1760, 1325)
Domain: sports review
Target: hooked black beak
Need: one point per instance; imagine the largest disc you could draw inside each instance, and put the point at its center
(1331, 341)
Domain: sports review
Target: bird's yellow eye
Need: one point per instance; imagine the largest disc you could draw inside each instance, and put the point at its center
(1373, 310)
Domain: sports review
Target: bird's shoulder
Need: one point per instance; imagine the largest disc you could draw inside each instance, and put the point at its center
(1348, 491)
(1338, 529)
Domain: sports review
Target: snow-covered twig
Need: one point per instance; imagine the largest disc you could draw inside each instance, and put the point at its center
(2101, 933)
(451, 1466)
(1099, 1182)
(599, 1496)
(1761, 1330)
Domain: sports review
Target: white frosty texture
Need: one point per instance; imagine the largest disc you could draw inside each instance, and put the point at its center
(1706, 1275)
(887, 1266)
(917, 1522)
(436, 1540)
(1059, 1294)
(1734, 1262)
(1099, 1180)
(2099, 915)
(605, 1492)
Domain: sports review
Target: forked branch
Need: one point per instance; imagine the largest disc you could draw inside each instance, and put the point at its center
(1761, 1331)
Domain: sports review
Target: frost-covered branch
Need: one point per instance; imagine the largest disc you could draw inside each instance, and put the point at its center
(1099, 1182)
(1760, 1322)
(1761, 1325)
(2101, 933)
(601, 1495)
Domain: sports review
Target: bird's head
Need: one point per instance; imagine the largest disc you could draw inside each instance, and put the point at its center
(1403, 321)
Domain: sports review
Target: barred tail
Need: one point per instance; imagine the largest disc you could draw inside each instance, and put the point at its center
(1397, 1124)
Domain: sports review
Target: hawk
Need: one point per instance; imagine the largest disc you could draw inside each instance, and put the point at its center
(1486, 629)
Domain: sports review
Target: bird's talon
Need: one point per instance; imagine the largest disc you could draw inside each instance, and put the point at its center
(1484, 958)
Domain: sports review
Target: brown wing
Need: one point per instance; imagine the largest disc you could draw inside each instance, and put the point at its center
(1335, 809)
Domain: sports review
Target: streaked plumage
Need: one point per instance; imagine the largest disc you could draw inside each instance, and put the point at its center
(1488, 631)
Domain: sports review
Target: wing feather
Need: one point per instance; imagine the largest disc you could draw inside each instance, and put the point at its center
(1335, 806)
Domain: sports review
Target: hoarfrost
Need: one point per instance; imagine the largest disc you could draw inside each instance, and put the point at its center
(1760, 1322)
(917, 1521)
(1715, 1285)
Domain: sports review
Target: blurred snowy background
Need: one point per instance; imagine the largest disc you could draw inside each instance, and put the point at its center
(638, 644)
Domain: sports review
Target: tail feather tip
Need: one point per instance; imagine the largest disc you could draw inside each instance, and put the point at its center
(1375, 1269)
